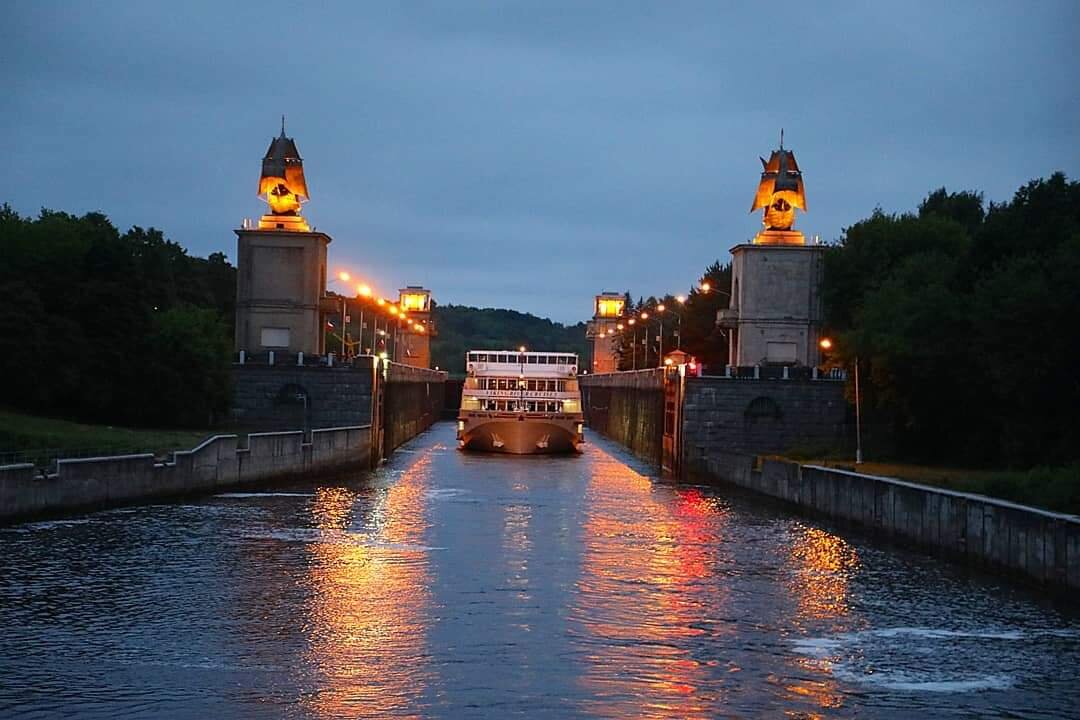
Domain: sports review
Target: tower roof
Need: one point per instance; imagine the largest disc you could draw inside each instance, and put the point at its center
(283, 164)
(780, 173)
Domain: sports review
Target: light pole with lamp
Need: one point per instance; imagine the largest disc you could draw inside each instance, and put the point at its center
(633, 347)
(826, 345)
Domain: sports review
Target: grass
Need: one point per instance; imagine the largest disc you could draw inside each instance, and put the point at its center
(1052, 488)
(28, 438)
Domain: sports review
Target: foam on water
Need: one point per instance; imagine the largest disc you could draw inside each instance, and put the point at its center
(923, 682)
(859, 657)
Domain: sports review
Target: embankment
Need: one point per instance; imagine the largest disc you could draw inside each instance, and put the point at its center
(1016, 539)
(386, 404)
(217, 463)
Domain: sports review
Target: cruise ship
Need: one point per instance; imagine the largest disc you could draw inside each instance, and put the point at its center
(520, 402)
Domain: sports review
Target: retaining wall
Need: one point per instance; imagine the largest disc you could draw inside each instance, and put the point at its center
(1036, 544)
(627, 407)
(414, 399)
(271, 397)
(762, 416)
(216, 463)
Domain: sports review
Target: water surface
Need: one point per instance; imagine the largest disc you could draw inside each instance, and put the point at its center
(447, 585)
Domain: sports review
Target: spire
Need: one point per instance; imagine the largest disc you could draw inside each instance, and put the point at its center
(781, 132)
(283, 129)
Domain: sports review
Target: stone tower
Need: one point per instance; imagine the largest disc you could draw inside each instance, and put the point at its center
(417, 328)
(608, 310)
(774, 313)
(281, 264)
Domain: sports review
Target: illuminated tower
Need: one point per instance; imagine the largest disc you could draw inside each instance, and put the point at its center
(417, 328)
(281, 264)
(775, 278)
(607, 312)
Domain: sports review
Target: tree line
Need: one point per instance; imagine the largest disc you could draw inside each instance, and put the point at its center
(462, 328)
(110, 327)
(962, 317)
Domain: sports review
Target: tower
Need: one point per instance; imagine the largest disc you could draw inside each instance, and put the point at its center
(607, 312)
(281, 264)
(774, 311)
(416, 330)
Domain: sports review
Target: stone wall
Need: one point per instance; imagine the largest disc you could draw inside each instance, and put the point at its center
(761, 417)
(414, 399)
(627, 407)
(1027, 542)
(216, 463)
(270, 397)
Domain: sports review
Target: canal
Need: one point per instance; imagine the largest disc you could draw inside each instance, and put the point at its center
(447, 585)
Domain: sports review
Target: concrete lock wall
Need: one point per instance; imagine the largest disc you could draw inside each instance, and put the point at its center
(216, 463)
(414, 399)
(289, 396)
(723, 414)
(627, 407)
(1035, 544)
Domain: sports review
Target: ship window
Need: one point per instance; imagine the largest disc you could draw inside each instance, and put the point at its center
(504, 358)
(532, 385)
(531, 360)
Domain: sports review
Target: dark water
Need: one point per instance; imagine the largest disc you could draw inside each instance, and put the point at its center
(448, 585)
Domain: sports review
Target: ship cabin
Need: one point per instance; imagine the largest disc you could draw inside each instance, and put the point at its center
(521, 382)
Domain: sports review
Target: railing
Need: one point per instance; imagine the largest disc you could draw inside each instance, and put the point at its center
(45, 458)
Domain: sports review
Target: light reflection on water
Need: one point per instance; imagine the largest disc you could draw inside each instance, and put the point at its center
(368, 614)
(449, 585)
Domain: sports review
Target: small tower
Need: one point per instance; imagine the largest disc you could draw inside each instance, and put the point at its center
(281, 264)
(608, 310)
(417, 328)
(774, 313)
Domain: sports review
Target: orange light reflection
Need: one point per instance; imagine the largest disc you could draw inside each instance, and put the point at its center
(369, 610)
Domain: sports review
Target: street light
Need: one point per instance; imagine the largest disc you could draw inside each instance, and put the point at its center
(826, 344)
(631, 321)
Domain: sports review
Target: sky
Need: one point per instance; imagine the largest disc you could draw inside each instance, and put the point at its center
(529, 155)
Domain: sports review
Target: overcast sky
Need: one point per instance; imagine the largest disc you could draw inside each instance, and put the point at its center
(528, 155)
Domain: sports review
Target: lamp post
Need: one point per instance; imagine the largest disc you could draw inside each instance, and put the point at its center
(826, 345)
(681, 299)
(858, 416)
(660, 320)
(631, 321)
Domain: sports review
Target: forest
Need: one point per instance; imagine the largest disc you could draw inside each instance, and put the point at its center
(462, 328)
(106, 327)
(962, 317)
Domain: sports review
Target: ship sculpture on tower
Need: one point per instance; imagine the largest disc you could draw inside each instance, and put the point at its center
(282, 185)
(780, 192)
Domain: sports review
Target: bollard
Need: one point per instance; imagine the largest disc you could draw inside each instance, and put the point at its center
(271, 360)
(757, 372)
(330, 360)
(814, 375)
(727, 371)
(786, 376)
(300, 358)
(243, 356)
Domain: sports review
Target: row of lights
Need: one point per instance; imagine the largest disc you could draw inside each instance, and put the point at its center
(681, 299)
(364, 291)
